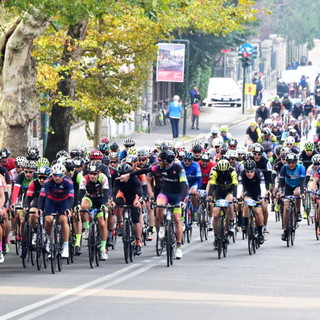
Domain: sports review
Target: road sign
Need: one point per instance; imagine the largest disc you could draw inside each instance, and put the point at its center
(247, 47)
(250, 89)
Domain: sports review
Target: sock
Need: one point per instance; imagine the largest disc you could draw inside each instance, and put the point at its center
(245, 221)
(260, 229)
(0, 245)
(86, 225)
(78, 240)
(65, 245)
(103, 246)
(179, 245)
(210, 219)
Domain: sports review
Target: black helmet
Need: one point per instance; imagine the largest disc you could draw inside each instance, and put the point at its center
(33, 153)
(62, 153)
(129, 143)
(163, 146)
(257, 147)
(69, 164)
(167, 156)
(94, 166)
(114, 147)
(250, 165)
(75, 153)
(291, 157)
(233, 142)
(124, 168)
(197, 148)
(5, 153)
(105, 159)
(224, 149)
(277, 149)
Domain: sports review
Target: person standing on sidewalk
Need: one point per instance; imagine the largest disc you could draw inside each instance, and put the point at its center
(195, 107)
(174, 113)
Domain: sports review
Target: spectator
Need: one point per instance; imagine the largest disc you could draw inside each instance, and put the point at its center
(195, 114)
(258, 96)
(174, 113)
(194, 94)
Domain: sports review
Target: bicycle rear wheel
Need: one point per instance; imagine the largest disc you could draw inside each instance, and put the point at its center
(250, 237)
(59, 244)
(72, 241)
(53, 258)
(25, 245)
(159, 245)
(39, 247)
(97, 246)
(169, 244)
(126, 240)
(220, 234)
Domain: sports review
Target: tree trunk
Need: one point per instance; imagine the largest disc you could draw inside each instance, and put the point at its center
(18, 96)
(61, 117)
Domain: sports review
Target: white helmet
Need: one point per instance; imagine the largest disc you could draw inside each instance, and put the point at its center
(58, 168)
(216, 142)
(268, 121)
(289, 140)
(275, 115)
(232, 154)
(214, 129)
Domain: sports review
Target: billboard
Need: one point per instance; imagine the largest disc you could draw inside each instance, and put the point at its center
(170, 62)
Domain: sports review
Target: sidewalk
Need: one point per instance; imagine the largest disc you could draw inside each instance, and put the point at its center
(209, 116)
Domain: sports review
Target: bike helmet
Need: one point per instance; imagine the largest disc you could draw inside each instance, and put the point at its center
(158, 143)
(104, 140)
(257, 147)
(94, 166)
(43, 162)
(298, 102)
(69, 164)
(83, 147)
(31, 164)
(5, 153)
(286, 95)
(233, 142)
(20, 161)
(308, 146)
(43, 170)
(217, 142)
(163, 146)
(124, 168)
(268, 122)
(291, 157)
(75, 153)
(129, 143)
(316, 159)
(197, 148)
(276, 98)
(275, 115)
(62, 153)
(266, 131)
(95, 155)
(224, 149)
(114, 155)
(114, 147)
(252, 124)
(131, 159)
(33, 153)
(142, 153)
(289, 140)
(292, 132)
(188, 156)
(277, 149)
(232, 154)
(214, 129)
(103, 147)
(206, 156)
(250, 165)
(167, 156)
(223, 165)
(224, 128)
(132, 151)
(105, 160)
(58, 168)
(78, 161)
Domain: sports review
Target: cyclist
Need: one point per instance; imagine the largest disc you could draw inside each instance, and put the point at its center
(216, 143)
(267, 140)
(253, 133)
(129, 193)
(19, 163)
(292, 177)
(2, 226)
(307, 153)
(7, 161)
(289, 142)
(93, 193)
(276, 106)
(222, 185)
(233, 143)
(214, 133)
(56, 196)
(251, 181)
(197, 149)
(262, 113)
(287, 103)
(194, 177)
(225, 134)
(128, 143)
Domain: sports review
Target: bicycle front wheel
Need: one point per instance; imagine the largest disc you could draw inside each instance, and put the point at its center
(91, 245)
(169, 243)
(59, 244)
(25, 245)
(39, 247)
(126, 240)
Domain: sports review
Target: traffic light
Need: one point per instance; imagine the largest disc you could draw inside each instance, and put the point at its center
(255, 52)
(246, 59)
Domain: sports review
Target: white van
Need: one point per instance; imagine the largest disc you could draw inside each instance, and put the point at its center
(223, 92)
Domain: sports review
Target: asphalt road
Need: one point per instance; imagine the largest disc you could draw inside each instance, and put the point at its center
(275, 283)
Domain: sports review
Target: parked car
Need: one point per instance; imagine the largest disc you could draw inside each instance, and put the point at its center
(223, 92)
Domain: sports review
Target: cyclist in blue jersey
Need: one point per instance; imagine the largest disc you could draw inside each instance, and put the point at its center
(56, 196)
(291, 181)
(128, 143)
(194, 177)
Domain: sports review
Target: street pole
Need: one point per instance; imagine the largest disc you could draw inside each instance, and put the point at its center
(186, 88)
(243, 88)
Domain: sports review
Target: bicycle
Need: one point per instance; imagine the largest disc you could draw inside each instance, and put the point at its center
(203, 218)
(56, 243)
(169, 240)
(27, 248)
(40, 246)
(252, 231)
(291, 223)
(223, 227)
(72, 236)
(187, 220)
(307, 207)
(316, 216)
(128, 237)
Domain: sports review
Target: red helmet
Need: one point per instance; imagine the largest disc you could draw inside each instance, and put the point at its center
(104, 140)
(95, 155)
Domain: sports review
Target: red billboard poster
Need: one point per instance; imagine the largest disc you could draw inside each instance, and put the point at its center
(170, 66)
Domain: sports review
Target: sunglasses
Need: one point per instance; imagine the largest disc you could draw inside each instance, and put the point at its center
(233, 159)
(71, 170)
(291, 161)
(29, 171)
(142, 159)
(217, 146)
(308, 150)
(42, 177)
(187, 160)
(93, 173)
(257, 154)
(58, 175)
(249, 171)
(114, 161)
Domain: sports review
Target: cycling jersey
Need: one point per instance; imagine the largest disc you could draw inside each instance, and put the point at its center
(266, 168)
(251, 187)
(21, 186)
(305, 159)
(225, 181)
(308, 108)
(287, 104)
(33, 193)
(205, 171)
(294, 177)
(57, 191)
(193, 174)
(297, 111)
(275, 107)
